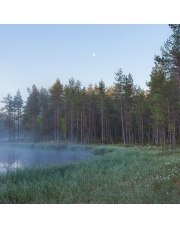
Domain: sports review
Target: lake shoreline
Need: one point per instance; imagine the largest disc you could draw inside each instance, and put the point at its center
(15, 156)
(121, 176)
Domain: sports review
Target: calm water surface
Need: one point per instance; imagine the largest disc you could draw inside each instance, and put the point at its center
(19, 158)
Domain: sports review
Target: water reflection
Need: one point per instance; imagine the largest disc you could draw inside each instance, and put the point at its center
(15, 158)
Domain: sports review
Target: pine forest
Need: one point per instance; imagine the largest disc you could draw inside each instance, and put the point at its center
(121, 113)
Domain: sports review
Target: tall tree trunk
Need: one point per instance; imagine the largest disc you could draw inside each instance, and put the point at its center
(122, 124)
(142, 131)
(72, 124)
(102, 122)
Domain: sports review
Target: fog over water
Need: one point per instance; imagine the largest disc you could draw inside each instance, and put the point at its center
(12, 158)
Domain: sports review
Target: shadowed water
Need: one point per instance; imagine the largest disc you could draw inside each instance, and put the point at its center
(12, 158)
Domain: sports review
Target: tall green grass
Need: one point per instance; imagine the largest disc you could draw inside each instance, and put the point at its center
(121, 176)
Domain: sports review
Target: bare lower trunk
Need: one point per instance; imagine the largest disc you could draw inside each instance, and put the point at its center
(122, 124)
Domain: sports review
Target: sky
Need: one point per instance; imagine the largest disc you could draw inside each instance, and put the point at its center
(39, 54)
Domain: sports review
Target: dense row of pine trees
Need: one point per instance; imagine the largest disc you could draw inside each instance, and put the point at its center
(121, 113)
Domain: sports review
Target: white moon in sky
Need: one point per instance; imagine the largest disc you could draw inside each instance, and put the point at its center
(94, 54)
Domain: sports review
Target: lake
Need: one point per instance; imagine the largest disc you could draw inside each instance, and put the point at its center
(12, 158)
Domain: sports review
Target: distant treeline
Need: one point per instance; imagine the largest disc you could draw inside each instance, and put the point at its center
(121, 113)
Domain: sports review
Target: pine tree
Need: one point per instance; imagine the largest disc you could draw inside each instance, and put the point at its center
(44, 122)
(56, 92)
(18, 108)
(31, 112)
(9, 115)
(102, 91)
(124, 89)
(118, 93)
(158, 104)
(170, 59)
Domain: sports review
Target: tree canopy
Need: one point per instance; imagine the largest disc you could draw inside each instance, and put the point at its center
(118, 113)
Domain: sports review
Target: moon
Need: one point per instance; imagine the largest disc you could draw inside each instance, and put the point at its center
(94, 54)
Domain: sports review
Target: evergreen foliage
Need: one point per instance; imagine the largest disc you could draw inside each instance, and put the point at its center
(122, 113)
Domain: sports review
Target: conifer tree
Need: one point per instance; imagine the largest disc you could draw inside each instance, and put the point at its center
(9, 116)
(102, 91)
(170, 59)
(56, 92)
(18, 109)
(31, 112)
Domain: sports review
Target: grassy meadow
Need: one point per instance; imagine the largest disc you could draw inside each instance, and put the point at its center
(118, 175)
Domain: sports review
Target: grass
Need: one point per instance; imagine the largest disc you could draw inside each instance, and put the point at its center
(120, 176)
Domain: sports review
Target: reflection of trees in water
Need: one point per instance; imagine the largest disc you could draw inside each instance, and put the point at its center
(14, 158)
(5, 166)
(17, 165)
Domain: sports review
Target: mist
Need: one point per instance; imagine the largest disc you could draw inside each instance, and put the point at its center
(14, 157)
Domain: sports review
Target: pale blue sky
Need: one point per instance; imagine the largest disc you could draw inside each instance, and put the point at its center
(38, 54)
